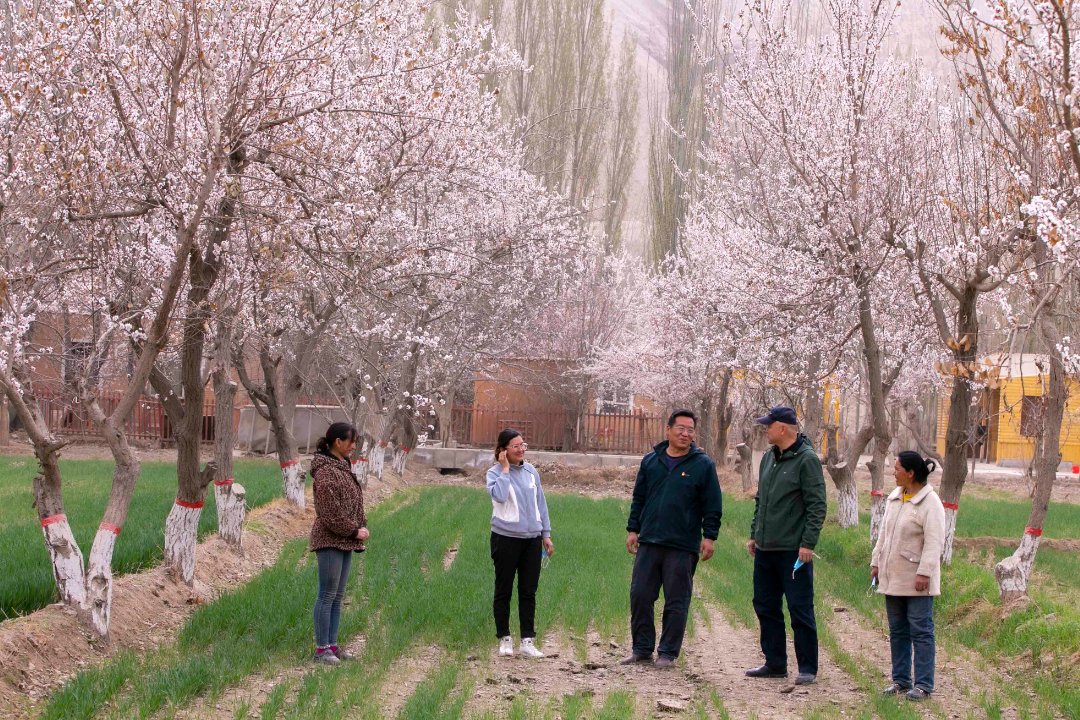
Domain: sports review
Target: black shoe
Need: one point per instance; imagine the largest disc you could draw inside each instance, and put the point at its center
(894, 689)
(766, 672)
(805, 679)
(664, 663)
(917, 694)
(634, 659)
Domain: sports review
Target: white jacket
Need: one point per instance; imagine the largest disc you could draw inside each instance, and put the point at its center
(909, 543)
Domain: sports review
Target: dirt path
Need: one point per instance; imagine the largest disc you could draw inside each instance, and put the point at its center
(720, 652)
(961, 678)
(499, 680)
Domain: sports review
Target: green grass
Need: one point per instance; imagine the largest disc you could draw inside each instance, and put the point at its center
(402, 600)
(24, 564)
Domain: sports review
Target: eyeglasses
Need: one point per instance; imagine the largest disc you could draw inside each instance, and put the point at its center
(522, 446)
(683, 429)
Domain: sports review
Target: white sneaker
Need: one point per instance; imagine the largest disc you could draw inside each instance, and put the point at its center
(506, 646)
(528, 649)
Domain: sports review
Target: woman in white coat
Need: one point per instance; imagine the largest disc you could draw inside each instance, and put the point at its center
(907, 567)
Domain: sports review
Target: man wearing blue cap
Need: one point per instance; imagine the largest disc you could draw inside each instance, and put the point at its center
(789, 510)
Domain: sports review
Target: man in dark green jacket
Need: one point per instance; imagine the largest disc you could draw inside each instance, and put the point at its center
(789, 510)
(674, 516)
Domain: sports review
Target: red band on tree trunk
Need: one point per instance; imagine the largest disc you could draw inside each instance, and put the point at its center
(1034, 532)
(289, 463)
(362, 459)
(382, 443)
(405, 449)
(60, 517)
(189, 505)
(226, 481)
(114, 529)
(951, 506)
(877, 493)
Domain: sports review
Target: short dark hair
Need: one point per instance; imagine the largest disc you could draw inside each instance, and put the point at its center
(505, 438)
(913, 462)
(682, 412)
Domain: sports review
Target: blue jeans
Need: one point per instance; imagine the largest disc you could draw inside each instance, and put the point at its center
(911, 626)
(333, 575)
(773, 582)
(657, 566)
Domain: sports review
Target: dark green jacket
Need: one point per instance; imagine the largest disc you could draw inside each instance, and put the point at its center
(789, 508)
(676, 508)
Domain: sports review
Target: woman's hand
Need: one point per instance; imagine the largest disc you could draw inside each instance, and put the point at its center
(503, 462)
(873, 572)
(922, 582)
(362, 534)
(549, 547)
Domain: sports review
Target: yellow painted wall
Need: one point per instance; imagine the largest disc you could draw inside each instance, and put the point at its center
(1007, 444)
(1011, 445)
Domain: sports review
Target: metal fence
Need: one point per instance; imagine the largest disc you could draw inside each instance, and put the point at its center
(633, 432)
(67, 415)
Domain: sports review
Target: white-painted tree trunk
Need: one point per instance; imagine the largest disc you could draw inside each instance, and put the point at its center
(877, 514)
(847, 505)
(292, 476)
(1013, 572)
(360, 471)
(377, 459)
(401, 456)
(847, 501)
(230, 497)
(746, 465)
(66, 558)
(181, 537)
(99, 579)
(950, 533)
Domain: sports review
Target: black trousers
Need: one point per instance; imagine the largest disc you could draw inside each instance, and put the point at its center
(657, 566)
(521, 557)
(773, 582)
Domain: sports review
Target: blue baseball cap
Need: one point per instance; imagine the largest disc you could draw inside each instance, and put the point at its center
(779, 413)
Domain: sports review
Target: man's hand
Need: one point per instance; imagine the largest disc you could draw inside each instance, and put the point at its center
(806, 555)
(631, 543)
(751, 547)
(922, 582)
(706, 549)
(362, 534)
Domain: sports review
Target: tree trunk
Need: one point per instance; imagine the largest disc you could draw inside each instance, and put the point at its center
(230, 507)
(5, 422)
(813, 414)
(842, 474)
(64, 552)
(360, 470)
(877, 492)
(1012, 573)
(847, 499)
(877, 393)
(954, 468)
(99, 578)
(746, 465)
(724, 412)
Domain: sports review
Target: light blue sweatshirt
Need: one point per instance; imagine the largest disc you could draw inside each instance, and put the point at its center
(518, 506)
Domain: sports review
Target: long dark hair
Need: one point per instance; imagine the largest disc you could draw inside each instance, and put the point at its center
(913, 462)
(336, 431)
(505, 438)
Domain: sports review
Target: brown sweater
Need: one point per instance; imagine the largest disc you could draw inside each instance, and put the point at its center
(339, 505)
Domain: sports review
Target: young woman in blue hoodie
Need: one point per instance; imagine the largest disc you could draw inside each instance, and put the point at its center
(520, 535)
